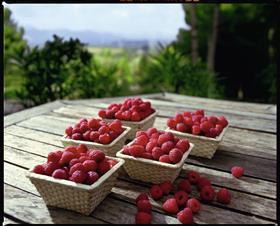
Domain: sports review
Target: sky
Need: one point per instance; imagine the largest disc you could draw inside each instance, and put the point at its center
(150, 21)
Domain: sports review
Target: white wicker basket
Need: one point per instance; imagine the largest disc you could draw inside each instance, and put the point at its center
(74, 196)
(204, 146)
(136, 126)
(152, 171)
(108, 149)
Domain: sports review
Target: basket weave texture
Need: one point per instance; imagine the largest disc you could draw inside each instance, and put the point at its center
(152, 171)
(204, 146)
(108, 149)
(136, 126)
(69, 195)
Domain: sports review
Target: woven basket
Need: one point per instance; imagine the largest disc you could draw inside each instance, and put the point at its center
(136, 126)
(108, 149)
(204, 146)
(152, 171)
(73, 196)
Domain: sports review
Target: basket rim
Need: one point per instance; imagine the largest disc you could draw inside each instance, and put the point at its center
(219, 138)
(124, 133)
(154, 162)
(72, 184)
(136, 123)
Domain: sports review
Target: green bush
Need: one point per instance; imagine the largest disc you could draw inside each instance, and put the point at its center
(170, 70)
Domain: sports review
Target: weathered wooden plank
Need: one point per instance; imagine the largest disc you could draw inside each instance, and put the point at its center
(32, 209)
(30, 112)
(8, 221)
(223, 104)
(245, 184)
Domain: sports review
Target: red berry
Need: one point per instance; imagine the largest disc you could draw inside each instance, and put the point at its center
(136, 150)
(53, 157)
(187, 114)
(86, 135)
(135, 116)
(194, 205)
(213, 119)
(126, 150)
(181, 198)
(103, 130)
(142, 196)
(165, 158)
(141, 140)
(199, 112)
(193, 177)
(167, 146)
(223, 196)
(69, 130)
(184, 185)
(93, 124)
(147, 155)
(237, 171)
(163, 138)
(171, 123)
(104, 138)
(97, 155)
(116, 125)
(84, 127)
(102, 113)
(82, 148)
(170, 206)
(195, 129)
(82, 159)
(156, 192)
(143, 218)
(181, 127)
(183, 145)
(139, 133)
(91, 177)
(50, 167)
(150, 145)
(112, 162)
(39, 169)
(222, 121)
(73, 162)
(203, 181)
(205, 127)
(188, 121)
(77, 166)
(179, 118)
(166, 187)
(66, 157)
(175, 155)
(144, 206)
(219, 128)
(185, 216)
(207, 193)
(60, 174)
(213, 132)
(78, 176)
(76, 130)
(94, 136)
(157, 152)
(77, 136)
(90, 165)
(150, 131)
(103, 167)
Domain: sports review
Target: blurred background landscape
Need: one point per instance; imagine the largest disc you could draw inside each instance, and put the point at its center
(224, 51)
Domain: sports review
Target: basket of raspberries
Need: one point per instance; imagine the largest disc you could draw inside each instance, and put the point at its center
(205, 132)
(75, 178)
(96, 133)
(155, 156)
(133, 112)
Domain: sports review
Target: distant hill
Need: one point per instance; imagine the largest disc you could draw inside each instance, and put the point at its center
(39, 37)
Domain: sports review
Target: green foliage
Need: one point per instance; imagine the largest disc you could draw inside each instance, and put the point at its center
(170, 70)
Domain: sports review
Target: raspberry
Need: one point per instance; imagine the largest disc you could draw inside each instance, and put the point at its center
(82, 159)
(181, 198)
(237, 171)
(141, 140)
(183, 145)
(103, 129)
(171, 123)
(165, 158)
(150, 131)
(82, 148)
(205, 126)
(199, 112)
(144, 206)
(139, 133)
(116, 125)
(113, 135)
(90, 165)
(136, 150)
(73, 162)
(188, 121)
(156, 192)
(135, 117)
(82, 120)
(94, 136)
(50, 167)
(219, 128)
(143, 218)
(104, 138)
(179, 118)
(224, 196)
(154, 136)
(150, 145)
(102, 113)
(78, 176)
(77, 166)
(213, 119)
(184, 185)
(170, 206)
(163, 138)
(39, 169)
(157, 152)
(203, 181)
(222, 121)
(207, 193)
(175, 155)
(187, 114)
(93, 124)
(76, 130)
(166, 187)
(181, 127)
(126, 150)
(69, 130)
(91, 177)
(86, 135)
(142, 196)
(193, 177)
(60, 174)
(213, 132)
(53, 157)
(195, 129)
(77, 136)
(167, 146)
(194, 205)
(185, 216)
(112, 162)
(103, 167)
(147, 155)
(59, 153)
(84, 127)
(66, 157)
(97, 155)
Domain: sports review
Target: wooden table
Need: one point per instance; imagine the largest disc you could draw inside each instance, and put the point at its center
(250, 142)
